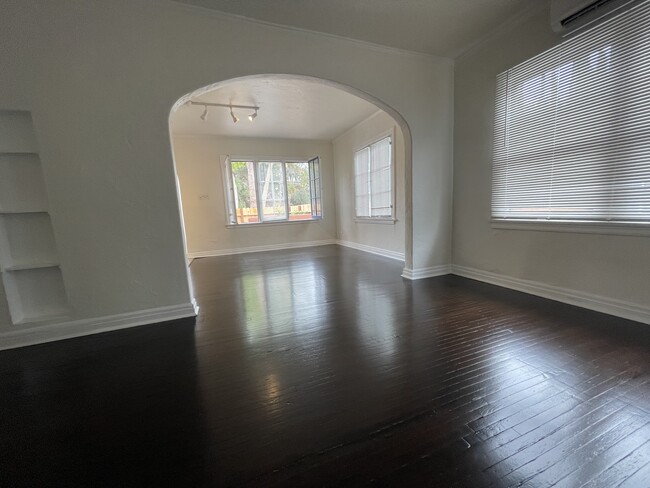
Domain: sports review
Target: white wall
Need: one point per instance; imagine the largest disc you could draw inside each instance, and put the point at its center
(202, 191)
(607, 269)
(377, 235)
(100, 78)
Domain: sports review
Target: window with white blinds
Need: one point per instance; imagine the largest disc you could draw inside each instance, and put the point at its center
(373, 180)
(572, 129)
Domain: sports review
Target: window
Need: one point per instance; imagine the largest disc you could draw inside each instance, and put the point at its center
(572, 129)
(373, 180)
(267, 190)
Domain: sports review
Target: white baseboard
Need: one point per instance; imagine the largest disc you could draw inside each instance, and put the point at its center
(19, 336)
(611, 306)
(244, 250)
(399, 256)
(430, 272)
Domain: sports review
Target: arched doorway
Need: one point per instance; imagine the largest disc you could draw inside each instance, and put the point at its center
(402, 136)
(191, 105)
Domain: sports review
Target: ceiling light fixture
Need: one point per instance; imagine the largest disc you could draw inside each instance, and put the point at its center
(235, 119)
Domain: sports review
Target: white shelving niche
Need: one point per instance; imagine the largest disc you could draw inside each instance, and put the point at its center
(29, 262)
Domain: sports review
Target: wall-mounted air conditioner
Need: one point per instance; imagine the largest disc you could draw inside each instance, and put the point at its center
(567, 16)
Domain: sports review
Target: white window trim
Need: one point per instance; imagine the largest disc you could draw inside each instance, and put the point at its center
(272, 224)
(225, 160)
(378, 220)
(375, 220)
(575, 227)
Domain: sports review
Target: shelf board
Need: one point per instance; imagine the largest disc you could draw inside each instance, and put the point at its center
(21, 211)
(22, 267)
(47, 317)
(19, 152)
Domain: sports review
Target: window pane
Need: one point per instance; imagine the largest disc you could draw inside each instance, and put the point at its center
(318, 211)
(380, 179)
(362, 182)
(298, 191)
(243, 187)
(271, 190)
(314, 185)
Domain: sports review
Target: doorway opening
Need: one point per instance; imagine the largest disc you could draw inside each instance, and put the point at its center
(271, 162)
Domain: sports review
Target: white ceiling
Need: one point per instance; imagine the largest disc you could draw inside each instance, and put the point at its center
(439, 27)
(289, 109)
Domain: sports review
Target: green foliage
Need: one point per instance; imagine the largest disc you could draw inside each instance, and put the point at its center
(240, 175)
(297, 175)
(298, 183)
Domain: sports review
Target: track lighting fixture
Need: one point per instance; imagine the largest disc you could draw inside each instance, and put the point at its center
(235, 119)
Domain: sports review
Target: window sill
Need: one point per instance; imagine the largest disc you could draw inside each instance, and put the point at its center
(613, 228)
(375, 221)
(276, 223)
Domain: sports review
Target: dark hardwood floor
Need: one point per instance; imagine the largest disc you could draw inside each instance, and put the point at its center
(322, 366)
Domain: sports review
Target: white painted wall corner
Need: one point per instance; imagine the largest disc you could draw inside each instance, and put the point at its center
(399, 256)
(430, 272)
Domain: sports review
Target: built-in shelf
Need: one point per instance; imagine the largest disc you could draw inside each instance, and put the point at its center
(27, 238)
(39, 319)
(35, 294)
(29, 263)
(17, 132)
(4, 211)
(21, 182)
(20, 267)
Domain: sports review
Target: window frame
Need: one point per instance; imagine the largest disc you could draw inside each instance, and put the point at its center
(231, 217)
(600, 224)
(381, 219)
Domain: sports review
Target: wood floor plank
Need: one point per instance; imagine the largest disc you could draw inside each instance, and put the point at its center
(619, 470)
(581, 463)
(633, 447)
(558, 460)
(638, 476)
(323, 367)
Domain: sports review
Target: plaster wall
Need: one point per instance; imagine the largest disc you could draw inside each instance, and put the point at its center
(200, 172)
(606, 267)
(100, 79)
(389, 237)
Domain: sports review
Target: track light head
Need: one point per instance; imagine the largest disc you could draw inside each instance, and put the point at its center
(230, 106)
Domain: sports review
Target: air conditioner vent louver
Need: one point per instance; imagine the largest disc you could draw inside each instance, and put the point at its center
(570, 15)
(585, 11)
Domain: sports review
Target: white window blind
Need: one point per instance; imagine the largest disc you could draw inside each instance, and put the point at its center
(373, 180)
(572, 128)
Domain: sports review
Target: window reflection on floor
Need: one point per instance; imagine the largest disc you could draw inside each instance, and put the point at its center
(376, 319)
(283, 301)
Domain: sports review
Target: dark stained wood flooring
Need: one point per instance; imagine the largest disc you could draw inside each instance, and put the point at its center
(322, 367)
